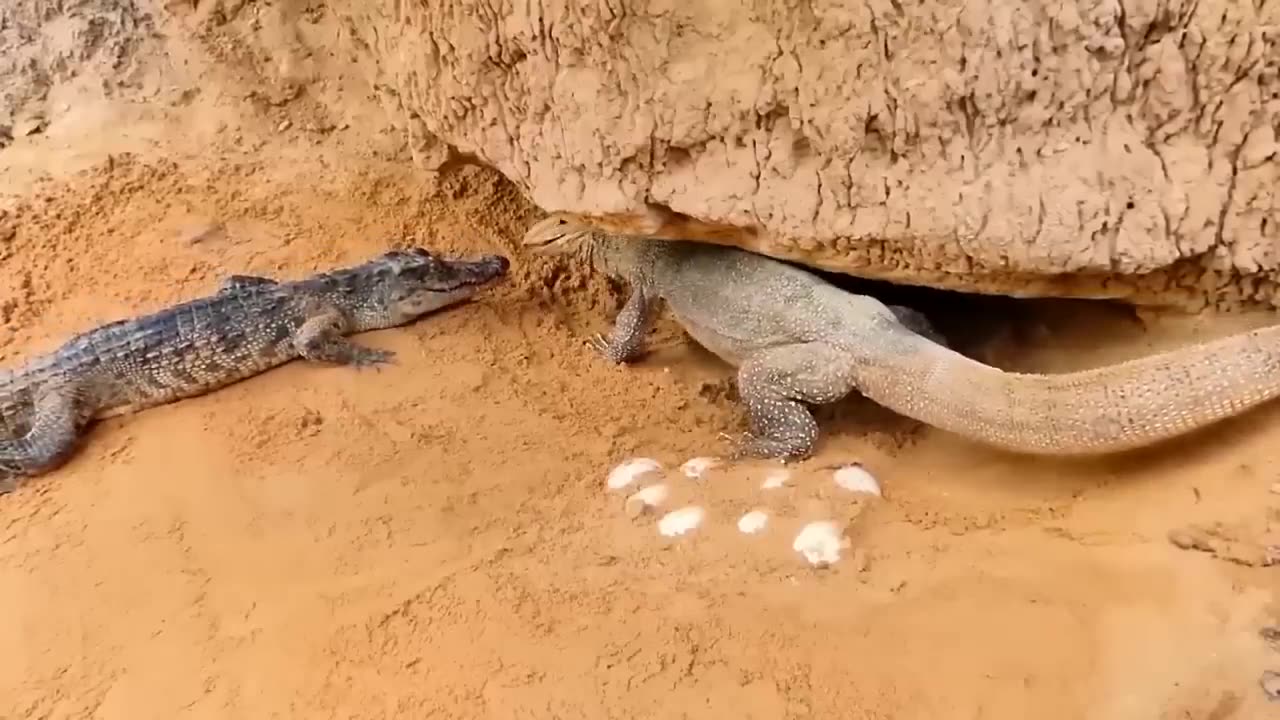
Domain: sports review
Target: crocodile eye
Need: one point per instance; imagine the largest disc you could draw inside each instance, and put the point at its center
(420, 252)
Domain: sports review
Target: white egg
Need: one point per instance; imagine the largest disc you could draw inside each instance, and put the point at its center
(630, 471)
(820, 543)
(775, 479)
(697, 467)
(855, 478)
(753, 521)
(679, 522)
(646, 498)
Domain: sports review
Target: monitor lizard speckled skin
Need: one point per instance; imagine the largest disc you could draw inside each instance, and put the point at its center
(797, 340)
(248, 326)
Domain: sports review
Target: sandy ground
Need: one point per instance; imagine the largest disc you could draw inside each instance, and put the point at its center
(434, 539)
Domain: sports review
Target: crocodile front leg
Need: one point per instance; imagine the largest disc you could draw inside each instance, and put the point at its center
(321, 339)
(775, 384)
(629, 328)
(55, 428)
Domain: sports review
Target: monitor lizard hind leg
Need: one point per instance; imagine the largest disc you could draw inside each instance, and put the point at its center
(775, 385)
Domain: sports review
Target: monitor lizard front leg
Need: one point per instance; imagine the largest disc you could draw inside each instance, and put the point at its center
(626, 341)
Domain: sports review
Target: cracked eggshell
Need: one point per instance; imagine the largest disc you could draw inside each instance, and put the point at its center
(631, 470)
(695, 468)
(753, 522)
(644, 499)
(776, 479)
(821, 543)
(679, 522)
(856, 478)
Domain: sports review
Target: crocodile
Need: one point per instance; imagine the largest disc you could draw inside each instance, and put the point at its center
(799, 341)
(249, 325)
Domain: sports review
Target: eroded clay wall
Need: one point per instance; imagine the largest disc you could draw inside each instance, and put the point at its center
(979, 144)
(1095, 149)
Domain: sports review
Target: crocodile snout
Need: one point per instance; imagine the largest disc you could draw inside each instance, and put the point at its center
(498, 262)
(486, 269)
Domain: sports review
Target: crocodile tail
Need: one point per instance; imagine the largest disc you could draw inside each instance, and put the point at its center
(1107, 409)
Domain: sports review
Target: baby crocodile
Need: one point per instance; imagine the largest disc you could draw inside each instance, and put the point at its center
(797, 339)
(248, 326)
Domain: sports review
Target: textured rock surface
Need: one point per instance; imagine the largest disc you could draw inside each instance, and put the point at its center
(45, 46)
(977, 145)
(1092, 149)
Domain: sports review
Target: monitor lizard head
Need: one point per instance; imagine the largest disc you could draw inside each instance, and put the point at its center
(559, 234)
(606, 250)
